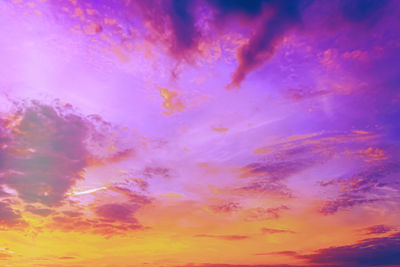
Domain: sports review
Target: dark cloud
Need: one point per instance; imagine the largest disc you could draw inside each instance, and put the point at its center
(130, 180)
(383, 170)
(262, 214)
(242, 265)
(285, 253)
(287, 15)
(384, 251)
(71, 213)
(377, 229)
(250, 8)
(140, 183)
(133, 197)
(10, 217)
(117, 212)
(362, 187)
(268, 176)
(150, 172)
(344, 201)
(263, 43)
(45, 150)
(182, 20)
(45, 153)
(304, 93)
(226, 207)
(224, 237)
(266, 187)
(274, 171)
(288, 158)
(181, 25)
(66, 258)
(172, 22)
(110, 220)
(363, 10)
(109, 230)
(38, 211)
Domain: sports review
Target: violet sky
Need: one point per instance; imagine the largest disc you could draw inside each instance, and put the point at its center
(202, 133)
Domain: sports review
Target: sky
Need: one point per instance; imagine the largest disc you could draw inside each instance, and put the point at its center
(200, 133)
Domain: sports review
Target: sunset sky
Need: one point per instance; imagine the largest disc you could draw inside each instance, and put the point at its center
(200, 133)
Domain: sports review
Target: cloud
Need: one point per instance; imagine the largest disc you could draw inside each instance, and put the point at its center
(263, 43)
(373, 154)
(45, 153)
(265, 230)
(117, 212)
(4, 256)
(262, 214)
(45, 150)
(176, 24)
(289, 156)
(115, 157)
(133, 197)
(3, 193)
(226, 207)
(285, 253)
(304, 94)
(220, 130)
(367, 185)
(110, 220)
(224, 237)
(241, 265)
(281, 162)
(384, 251)
(10, 217)
(275, 171)
(344, 201)
(377, 229)
(172, 22)
(71, 213)
(151, 172)
(359, 11)
(172, 101)
(38, 211)
(66, 258)
(265, 188)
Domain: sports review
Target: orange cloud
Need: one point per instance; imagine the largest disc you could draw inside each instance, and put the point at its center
(221, 130)
(262, 151)
(116, 157)
(357, 55)
(171, 101)
(373, 154)
(120, 53)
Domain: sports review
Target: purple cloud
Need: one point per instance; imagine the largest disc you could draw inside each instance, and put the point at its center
(384, 251)
(38, 211)
(10, 217)
(378, 229)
